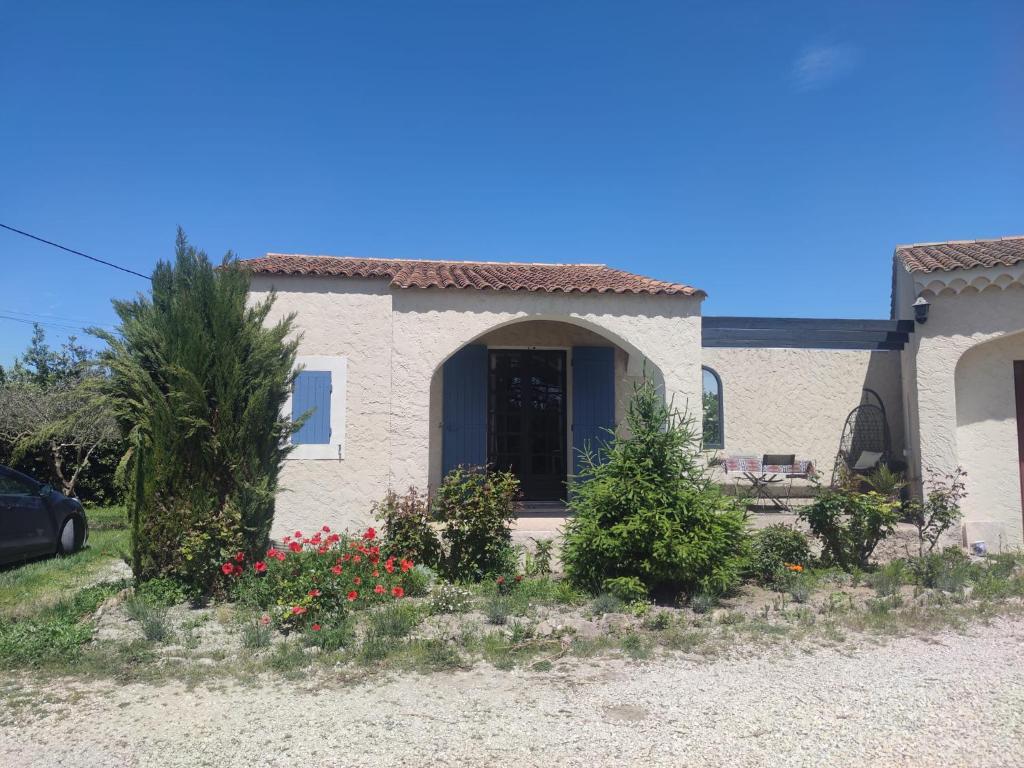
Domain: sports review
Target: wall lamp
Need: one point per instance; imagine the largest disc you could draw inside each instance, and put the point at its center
(921, 307)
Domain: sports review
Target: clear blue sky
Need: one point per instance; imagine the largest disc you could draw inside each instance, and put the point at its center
(770, 153)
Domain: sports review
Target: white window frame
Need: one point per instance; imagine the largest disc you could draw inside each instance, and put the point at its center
(337, 366)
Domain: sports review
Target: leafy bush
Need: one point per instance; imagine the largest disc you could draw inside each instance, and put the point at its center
(407, 529)
(949, 570)
(419, 580)
(888, 579)
(317, 579)
(651, 511)
(395, 620)
(497, 610)
(939, 510)
(198, 381)
(476, 508)
(850, 524)
(775, 547)
(629, 589)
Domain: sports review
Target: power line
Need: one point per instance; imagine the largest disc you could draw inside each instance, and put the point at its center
(61, 326)
(46, 317)
(77, 253)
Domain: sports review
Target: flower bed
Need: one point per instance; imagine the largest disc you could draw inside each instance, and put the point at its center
(316, 580)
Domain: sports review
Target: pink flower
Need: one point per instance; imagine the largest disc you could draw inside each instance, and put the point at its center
(326, 529)
(239, 557)
(315, 627)
(264, 619)
(298, 610)
(314, 593)
(379, 589)
(336, 570)
(227, 569)
(352, 595)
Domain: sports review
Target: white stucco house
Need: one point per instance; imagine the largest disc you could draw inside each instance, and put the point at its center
(413, 367)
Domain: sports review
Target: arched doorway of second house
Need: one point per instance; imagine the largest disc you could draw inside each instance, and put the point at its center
(528, 397)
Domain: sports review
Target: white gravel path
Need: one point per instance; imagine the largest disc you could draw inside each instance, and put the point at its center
(953, 700)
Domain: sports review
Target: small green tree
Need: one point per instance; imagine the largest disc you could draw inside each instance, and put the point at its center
(651, 511)
(198, 381)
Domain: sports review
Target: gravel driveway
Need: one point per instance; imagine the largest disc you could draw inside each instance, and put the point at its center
(950, 700)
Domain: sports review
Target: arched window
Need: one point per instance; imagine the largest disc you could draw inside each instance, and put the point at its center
(714, 409)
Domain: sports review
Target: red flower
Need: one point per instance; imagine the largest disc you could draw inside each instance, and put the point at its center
(406, 565)
(236, 570)
(356, 558)
(227, 569)
(326, 529)
(295, 546)
(314, 593)
(398, 592)
(272, 552)
(389, 565)
(298, 534)
(370, 534)
(376, 574)
(239, 557)
(259, 566)
(519, 577)
(357, 581)
(352, 595)
(298, 610)
(379, 589)
(336, 570)
(315, 627)
(501, 580)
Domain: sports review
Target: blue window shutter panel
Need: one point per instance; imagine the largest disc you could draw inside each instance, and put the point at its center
(593, 399)
(312, 391)
(464, 403)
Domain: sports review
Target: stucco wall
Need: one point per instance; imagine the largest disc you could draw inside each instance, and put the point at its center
(431, 325)
(968, 308)
(396, 340)
(351, 318)
(797, 400)
(987, 447)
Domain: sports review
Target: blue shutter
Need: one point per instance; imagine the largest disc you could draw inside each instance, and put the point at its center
(312, 391)
(464, 404)
(593, 399)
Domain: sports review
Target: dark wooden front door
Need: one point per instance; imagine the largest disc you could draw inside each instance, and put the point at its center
(526, 419)
(1018, 379)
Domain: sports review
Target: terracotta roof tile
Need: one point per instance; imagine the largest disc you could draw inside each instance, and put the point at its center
(499, 276)
(961, 254)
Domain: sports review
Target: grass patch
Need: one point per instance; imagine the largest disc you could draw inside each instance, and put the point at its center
(28, 590)
(151, 618)
(393, 621)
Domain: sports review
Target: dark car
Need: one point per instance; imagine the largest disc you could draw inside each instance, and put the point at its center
(36, 520)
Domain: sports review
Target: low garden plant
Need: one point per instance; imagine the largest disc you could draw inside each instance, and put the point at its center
(775, 549)
(475, 508)
(645, 508)
(407, 529)
(313, 581)
(850, 524)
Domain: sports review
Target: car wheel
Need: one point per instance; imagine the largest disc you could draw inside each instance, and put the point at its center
(67, 542)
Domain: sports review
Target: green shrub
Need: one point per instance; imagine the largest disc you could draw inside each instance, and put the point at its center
(419, 580)
(850, 525)
(702, 602)
(198, 379)
(949, 570)
(606, 603)
(775, 547)
(651, 511)
(657, 621)
(629, 589)
(799, 587)
(888, 579)
(407, 529)
(476, 509)
(497, 610)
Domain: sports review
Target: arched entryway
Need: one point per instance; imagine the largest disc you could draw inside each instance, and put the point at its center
(990, 438)
(528, 397)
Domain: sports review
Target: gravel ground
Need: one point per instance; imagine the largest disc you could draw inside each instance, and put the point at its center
(948, 700)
